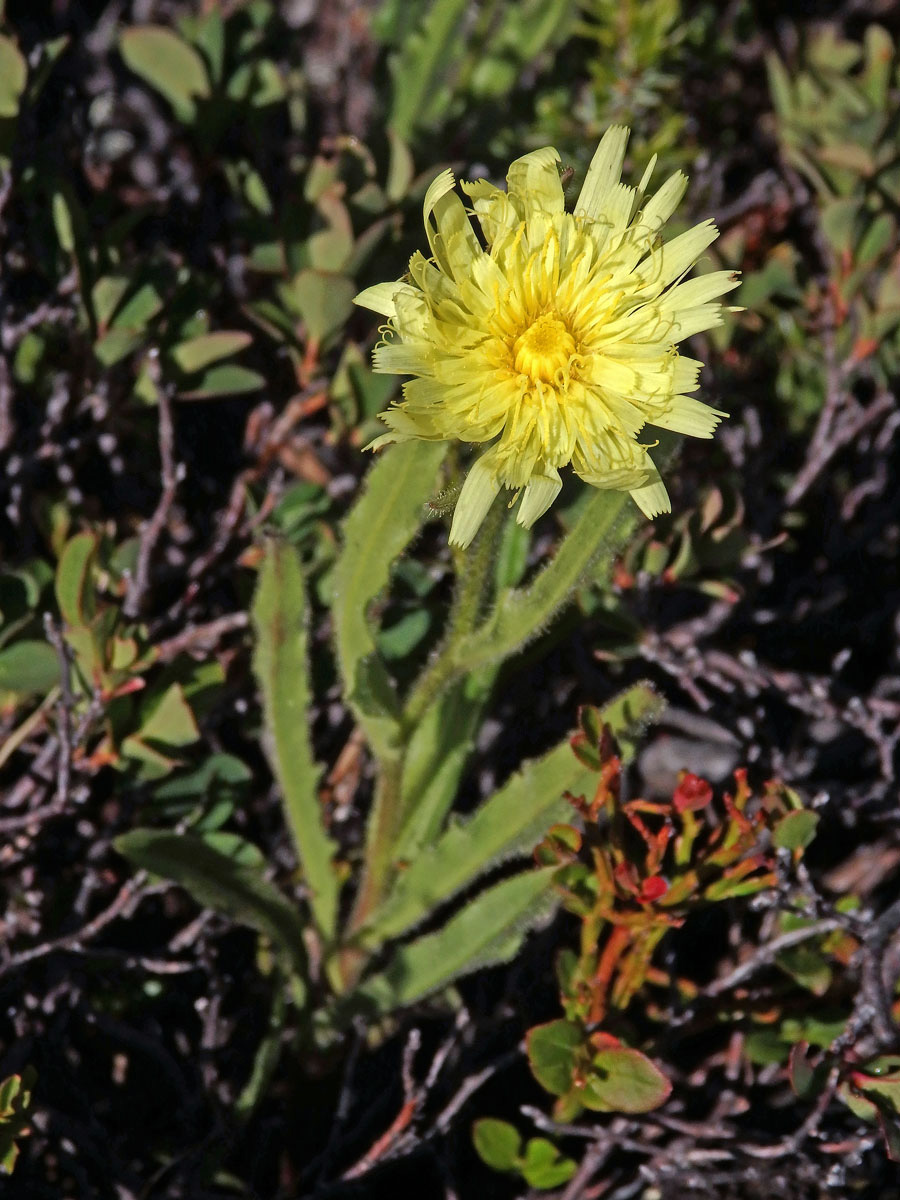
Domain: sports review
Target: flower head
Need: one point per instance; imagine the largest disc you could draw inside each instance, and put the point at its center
(556, 342)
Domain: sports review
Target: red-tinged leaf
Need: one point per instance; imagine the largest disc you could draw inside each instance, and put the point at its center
(862, 348)
(605, 1041)
(585, 751)
(652, 889)
(692, 793)
(624, 1080)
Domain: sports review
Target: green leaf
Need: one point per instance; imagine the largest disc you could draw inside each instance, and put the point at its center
(401, 169)
(840, 220)
(796, 830)
(28, 668)
(419, 70)
(267, 1055)
(217, 881)
(167, 724)
(15, 1110)
(544, 1166)
(117, 344)
(139, 309)
(436, 755)
(280, 618)
(497, 1143)
(13, 76)
(381, 523)
(807, 1080)
(488, 930)
(808, 966)
(198, 352)
(512, 820)
(74, 585)
(323, 300)
(624, 1080)
(228, 379)
(507, 824)
(553, 1050)
(106, 295)
(401, 638)
(170, 720)
(168, 64)
(208, 34)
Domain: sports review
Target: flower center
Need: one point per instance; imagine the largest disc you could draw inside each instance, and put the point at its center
(543, 348)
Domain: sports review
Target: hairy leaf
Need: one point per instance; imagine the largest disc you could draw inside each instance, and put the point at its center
(508, 823)
(281, 665)
(489, 930)
(218, 881)
(381, 523)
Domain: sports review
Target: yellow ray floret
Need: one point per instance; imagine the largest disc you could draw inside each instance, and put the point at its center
(556, 342)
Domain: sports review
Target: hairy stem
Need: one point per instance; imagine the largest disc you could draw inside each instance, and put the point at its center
(473, 569)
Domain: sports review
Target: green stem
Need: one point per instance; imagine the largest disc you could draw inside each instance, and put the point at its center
(387, 814)
(473, 568)
(523, 614)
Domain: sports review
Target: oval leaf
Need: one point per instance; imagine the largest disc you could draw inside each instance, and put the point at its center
(13, 73)
(552, 1052)
(28, 668)
(167, 63)
(497, 1143)
(625, 1081)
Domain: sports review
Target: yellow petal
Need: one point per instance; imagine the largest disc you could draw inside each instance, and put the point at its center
(652, 498)
(477, 496)
(450, 235)
(699, 290)
(540, 492)
(689, 416)
(534, 184)
(603, 173)
(379, 298)
(658, 210)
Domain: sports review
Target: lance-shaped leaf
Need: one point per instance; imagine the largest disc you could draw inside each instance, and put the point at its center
(222, 882)
(281, 665)
(380, 525)
(438, 749)
(488, 931)
(507, 824)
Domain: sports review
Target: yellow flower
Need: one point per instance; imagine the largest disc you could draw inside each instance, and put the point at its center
(556, 342)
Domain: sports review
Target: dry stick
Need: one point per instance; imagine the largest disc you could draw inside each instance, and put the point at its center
(170, 475)
(129, 894)
(469, 1087)
(592, 1161)
(201, 635)
(876, 990)
(412, 1100)
(790, 1145)
(765, 955)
